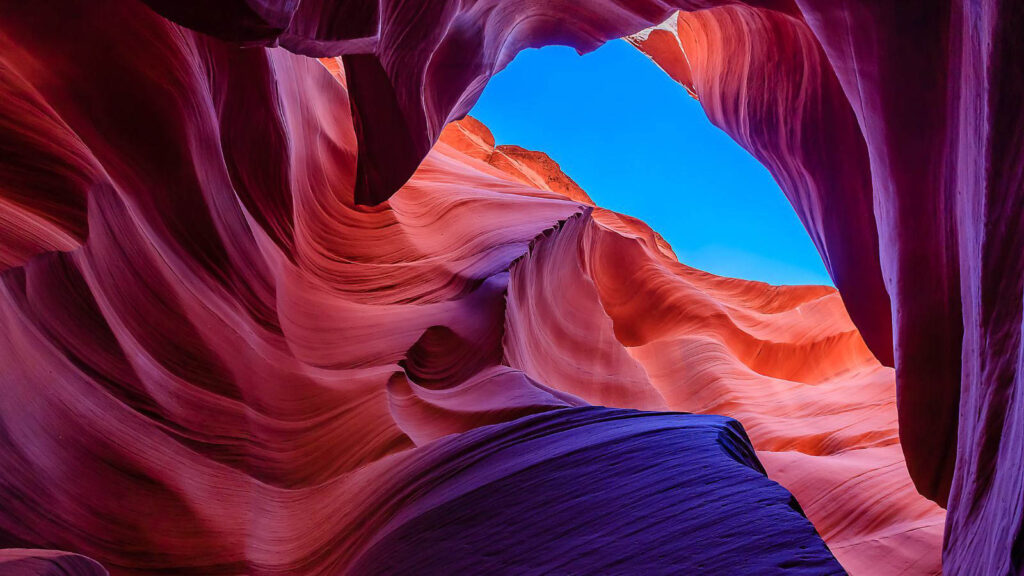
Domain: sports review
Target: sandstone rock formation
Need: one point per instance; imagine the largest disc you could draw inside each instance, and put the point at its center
(932, 87)
(237, 337)
(35, 562)
(233, 368)
(934, 144)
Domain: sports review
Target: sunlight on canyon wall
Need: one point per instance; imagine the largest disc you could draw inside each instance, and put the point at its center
(266, 315)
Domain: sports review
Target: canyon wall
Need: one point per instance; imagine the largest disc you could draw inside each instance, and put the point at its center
(238, 337)
(231, 367)
(929, 87)
(932, 87)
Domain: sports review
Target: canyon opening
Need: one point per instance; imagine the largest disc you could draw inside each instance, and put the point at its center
(290, 288)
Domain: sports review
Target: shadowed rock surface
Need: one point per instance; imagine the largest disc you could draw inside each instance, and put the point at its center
(204, 319)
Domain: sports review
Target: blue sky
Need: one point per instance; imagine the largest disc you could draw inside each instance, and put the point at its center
(638, 144)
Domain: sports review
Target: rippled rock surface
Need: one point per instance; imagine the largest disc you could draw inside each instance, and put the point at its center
(251, 302)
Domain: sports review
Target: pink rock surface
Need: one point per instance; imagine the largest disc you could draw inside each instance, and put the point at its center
(38, 562)
(931, 87)
(252, 347)
(786, 361)
(238, 370)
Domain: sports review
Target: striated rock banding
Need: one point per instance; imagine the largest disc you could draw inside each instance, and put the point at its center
(927, 173)
(240, 370)
(247, 324)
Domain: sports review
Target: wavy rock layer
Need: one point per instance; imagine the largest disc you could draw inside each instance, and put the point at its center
(625, 491)
(602, 309)
(15, 562)
(785, 361)
(234, 368)
(943, 165)
(251, 349)
(915, 201)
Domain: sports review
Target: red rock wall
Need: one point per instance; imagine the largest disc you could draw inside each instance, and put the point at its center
(786, 361)
(234, 368)
(931, 87)
(211, 201)
(928, 85)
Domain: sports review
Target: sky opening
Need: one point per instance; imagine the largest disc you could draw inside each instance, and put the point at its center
(639, 144)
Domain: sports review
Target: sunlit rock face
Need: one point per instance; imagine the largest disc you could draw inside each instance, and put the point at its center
(233, 368)
(602, 309)
(240, 335)
(607, 293)
(933, 88)
(906, 107)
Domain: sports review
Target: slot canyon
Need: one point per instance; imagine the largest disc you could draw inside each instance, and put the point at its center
(273, 302)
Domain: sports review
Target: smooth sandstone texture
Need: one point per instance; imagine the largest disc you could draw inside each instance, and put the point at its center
(237, 369)
(930, 87)
(915, 203)
(227, 253)
(785, 361)
(625, 492)
(28, 562)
